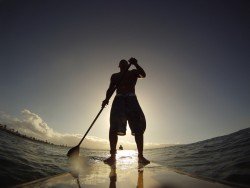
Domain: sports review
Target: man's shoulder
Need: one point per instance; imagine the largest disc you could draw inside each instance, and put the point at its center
(118, 74)
(134, 72)
(115, 76)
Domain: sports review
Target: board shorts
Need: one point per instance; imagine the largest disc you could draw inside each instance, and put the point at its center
(126, 108)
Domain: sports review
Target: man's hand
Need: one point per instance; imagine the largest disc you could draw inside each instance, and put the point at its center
(133, 61)
(104, 103)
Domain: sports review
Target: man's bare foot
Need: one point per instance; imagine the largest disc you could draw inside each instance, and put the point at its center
(143, 160)
(110, 161)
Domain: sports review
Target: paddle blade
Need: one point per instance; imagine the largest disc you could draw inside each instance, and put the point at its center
(73, 152)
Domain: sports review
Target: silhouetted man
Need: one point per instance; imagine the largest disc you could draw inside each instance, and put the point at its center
(125, 108)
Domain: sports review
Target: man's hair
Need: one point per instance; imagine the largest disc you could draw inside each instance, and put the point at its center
(123, 62)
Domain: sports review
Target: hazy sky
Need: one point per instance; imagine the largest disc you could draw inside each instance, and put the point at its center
(57, 57)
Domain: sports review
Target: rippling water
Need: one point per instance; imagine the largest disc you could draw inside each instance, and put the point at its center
(24, 160)
(225, 158)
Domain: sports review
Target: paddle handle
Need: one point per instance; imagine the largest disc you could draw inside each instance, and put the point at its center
(103, 107)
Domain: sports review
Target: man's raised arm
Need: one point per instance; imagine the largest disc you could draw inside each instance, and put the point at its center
(140, 70)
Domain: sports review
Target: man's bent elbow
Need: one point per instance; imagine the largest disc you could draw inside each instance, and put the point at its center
(143, 75)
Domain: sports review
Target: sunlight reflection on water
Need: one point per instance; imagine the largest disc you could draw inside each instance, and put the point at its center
(126, 159)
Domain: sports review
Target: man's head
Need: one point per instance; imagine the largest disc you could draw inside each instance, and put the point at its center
(123, 64)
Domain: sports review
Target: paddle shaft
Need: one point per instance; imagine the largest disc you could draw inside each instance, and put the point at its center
(91, 126)
(103, 107)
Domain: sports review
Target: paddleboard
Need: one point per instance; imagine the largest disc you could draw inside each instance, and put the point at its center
(125, 173)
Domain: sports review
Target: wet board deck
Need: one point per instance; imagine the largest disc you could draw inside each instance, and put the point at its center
(124, 174)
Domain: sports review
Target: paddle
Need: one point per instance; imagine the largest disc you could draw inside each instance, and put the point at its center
(74, 152)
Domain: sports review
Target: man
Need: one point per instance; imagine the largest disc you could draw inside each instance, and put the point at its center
(125, 108)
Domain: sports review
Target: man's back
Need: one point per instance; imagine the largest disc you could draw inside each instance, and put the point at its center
(127, 84)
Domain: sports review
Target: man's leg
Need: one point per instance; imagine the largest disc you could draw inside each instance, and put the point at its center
(113, 138)
(139, 143)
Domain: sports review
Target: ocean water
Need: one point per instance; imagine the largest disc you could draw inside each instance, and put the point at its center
(225, 158)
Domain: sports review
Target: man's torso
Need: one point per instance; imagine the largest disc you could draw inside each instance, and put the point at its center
(127, 84)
